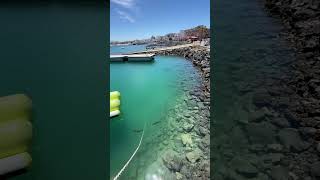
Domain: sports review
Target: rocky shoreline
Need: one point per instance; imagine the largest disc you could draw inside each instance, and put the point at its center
(269, 125)
(302, 87)
(275, 132)
(188, 157)
(192, 125)
(181, 149)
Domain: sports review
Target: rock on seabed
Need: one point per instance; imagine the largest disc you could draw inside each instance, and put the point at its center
(186, 139)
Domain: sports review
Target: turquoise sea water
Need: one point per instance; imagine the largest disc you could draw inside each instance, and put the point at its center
(147, 90)
(126, 49)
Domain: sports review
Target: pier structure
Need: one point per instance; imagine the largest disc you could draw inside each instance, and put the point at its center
(132, 57)
(146, 55)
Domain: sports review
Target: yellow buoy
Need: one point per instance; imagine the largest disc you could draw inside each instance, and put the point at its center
(114, 103)
(15, 137)
(114, 95)
(14, 106)
(15, 132)
(14, 163)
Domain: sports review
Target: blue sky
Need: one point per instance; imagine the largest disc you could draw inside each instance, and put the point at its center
(139, 19)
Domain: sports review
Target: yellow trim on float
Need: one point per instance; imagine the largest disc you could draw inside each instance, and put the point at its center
(114, 103)
(15, 133)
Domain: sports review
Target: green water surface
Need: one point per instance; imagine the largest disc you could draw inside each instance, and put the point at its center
(147, 90)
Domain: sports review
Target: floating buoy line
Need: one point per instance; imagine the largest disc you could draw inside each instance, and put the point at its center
(114, 111)
(134, 153)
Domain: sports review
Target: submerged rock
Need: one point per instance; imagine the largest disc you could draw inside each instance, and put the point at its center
(308, 132)
(194, 155)
(242, 116)
(257, 116)
(261, 132)
(186, 139)
(262, 176)
(281, 122)
(275, 147)
(292, 140)
(201, 131)
(274, 158)
(172, 160)
(187, 126)
(244, 167)
(279, 173)
(204, 144)
(315, 169)
(179, 176)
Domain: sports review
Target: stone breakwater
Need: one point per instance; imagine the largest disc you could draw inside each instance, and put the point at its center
(191, 127)
(300, 91)
(189, 121)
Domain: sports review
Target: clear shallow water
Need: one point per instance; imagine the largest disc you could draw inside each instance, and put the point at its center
(250, 57)
(147, 91)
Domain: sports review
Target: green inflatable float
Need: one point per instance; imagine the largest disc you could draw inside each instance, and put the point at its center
(15, 132)
(114, 103)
